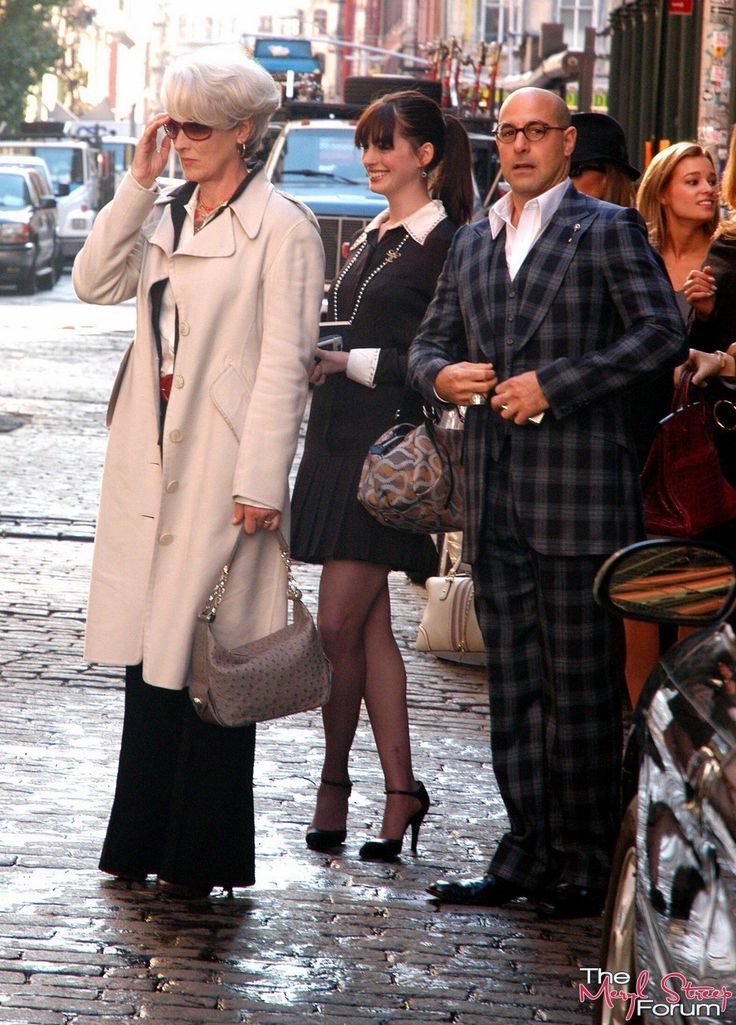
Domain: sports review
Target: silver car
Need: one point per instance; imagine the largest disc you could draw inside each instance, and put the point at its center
(669, 944)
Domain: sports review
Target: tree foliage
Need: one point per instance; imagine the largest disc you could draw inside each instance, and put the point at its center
(29, 47)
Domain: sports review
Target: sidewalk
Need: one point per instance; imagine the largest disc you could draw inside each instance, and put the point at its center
(326, 939)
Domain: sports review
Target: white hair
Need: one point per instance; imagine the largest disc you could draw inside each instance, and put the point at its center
(220, 87)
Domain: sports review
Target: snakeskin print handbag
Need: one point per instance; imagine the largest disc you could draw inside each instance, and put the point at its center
(277, 675)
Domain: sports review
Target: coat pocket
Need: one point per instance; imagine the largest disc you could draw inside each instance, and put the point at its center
(117, 384)
(230, 392)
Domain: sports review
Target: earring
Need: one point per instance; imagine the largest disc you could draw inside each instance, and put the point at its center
(240, 146)
(425, 174)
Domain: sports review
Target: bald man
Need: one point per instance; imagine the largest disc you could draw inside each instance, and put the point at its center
(546, 313)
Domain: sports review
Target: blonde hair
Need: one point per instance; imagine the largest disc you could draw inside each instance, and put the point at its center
(655, 180)
(221, 88)
(728, 191)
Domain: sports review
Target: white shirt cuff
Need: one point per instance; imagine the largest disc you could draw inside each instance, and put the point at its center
(362, 365)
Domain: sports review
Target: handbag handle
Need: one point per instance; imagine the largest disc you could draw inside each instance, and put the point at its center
(209, 612)
(682, 396)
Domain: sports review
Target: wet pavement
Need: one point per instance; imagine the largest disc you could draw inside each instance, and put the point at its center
(319, 938)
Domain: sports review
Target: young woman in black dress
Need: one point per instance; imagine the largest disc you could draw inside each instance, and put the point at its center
(420, 161)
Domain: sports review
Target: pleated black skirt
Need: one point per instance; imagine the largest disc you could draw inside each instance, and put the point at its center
(328, 521)
(183, 806)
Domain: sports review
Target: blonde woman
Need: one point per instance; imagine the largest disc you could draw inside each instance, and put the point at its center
(678, 198)
(714, 325)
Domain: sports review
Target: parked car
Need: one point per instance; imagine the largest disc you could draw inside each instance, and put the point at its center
(317, 161)
(82, 183)
(28, 236)
(670, 918)
(46, 188)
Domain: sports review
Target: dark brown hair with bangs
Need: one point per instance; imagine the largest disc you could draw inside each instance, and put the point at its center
(419, 119)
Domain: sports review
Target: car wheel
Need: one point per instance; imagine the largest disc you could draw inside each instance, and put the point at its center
(27, 280)
(618, 946)
(58, 264)
(47, 278)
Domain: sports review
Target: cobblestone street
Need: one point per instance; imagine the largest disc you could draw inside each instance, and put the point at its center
(319, 938)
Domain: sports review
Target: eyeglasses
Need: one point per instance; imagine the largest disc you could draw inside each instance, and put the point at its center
(192, 129)
(577, 169)
(534, 131)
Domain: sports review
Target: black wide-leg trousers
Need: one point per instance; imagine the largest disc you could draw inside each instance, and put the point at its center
(183, 806)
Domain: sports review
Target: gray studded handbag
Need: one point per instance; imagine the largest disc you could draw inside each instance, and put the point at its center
(277, 675)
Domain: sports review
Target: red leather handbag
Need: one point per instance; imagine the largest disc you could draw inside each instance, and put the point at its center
(684, 490)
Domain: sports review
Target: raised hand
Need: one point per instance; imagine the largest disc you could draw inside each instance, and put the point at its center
(149, 161)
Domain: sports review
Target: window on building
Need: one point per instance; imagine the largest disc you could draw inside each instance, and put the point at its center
(493, 21)
(576, 16)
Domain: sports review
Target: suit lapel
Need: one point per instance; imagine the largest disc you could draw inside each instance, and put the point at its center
(485, 265)
(544, 269)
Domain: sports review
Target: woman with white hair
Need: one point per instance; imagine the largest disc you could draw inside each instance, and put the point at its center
(228, 274)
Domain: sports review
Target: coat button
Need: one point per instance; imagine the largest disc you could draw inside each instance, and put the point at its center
(175, 436)
(178, 381)
(509, 341)
(184, 328)
(165, 539)
(172, 486)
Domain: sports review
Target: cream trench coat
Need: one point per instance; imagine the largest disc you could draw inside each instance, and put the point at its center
(248, 290)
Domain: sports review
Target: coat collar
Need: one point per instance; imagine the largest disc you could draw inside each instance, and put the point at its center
(219, 237)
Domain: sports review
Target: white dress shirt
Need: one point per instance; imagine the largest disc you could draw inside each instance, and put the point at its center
(535, 216)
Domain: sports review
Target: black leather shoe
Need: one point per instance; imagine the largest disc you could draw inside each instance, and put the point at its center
(568, 900)
(488, 891)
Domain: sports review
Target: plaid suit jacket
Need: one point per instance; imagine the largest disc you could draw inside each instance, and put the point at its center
(592, 312)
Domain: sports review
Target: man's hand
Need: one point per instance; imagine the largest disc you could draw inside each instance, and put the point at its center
(459, 382)
(519, 398)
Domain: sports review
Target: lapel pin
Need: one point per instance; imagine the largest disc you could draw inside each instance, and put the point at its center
(576, 227)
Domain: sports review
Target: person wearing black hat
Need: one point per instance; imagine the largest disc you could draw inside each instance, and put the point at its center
(600, 164)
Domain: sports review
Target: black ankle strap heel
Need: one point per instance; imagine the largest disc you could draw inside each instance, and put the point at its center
(327, 839)
(388, 849)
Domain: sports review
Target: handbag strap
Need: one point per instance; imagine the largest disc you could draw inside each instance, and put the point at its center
(683, 393)
(209, 612)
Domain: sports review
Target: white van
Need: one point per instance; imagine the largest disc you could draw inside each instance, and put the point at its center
(80, 187)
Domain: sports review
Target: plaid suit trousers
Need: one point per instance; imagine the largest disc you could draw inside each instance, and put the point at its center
(555, 683)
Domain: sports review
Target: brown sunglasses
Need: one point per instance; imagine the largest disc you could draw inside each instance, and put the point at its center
(192, 129)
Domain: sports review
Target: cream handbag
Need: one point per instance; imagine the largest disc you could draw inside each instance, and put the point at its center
(449, 623)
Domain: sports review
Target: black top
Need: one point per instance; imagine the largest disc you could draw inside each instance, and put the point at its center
(719, 329)
(385, 288)
(386, 298)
